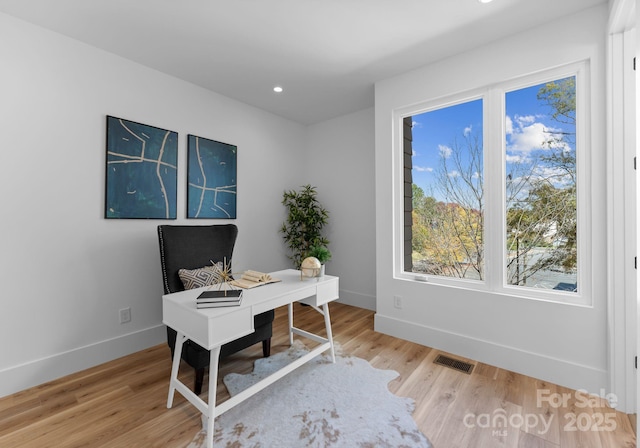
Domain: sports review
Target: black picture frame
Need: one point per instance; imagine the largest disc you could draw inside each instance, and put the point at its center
(141, 171)
(212, 171)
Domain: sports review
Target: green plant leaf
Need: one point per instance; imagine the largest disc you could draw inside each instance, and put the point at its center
(306, 218)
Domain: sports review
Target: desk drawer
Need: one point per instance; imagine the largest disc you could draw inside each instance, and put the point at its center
(230, 326)
(326, 292)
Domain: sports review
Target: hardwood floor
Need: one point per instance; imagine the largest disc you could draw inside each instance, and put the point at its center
(123, 403)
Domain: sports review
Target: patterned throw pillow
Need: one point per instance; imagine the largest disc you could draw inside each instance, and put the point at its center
(204, 276)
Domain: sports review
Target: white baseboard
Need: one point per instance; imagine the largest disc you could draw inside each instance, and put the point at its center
(356, 299)
(552, 370)
(34, 373)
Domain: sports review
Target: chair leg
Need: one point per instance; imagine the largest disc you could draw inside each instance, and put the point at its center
(197, 388)
(266, 347)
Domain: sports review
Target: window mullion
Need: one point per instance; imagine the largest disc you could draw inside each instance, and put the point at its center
(494, 187)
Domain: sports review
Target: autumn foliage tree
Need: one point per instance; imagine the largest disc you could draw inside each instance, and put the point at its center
(449, 234)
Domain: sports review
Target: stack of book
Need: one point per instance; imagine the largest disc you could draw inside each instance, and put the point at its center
(216, 298)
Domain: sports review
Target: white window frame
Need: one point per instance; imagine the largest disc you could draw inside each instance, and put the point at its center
(494, 113)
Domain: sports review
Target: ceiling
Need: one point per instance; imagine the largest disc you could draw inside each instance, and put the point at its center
(326, 54)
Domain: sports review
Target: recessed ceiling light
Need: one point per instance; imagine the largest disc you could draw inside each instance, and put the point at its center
(278, 89)
(485, 1)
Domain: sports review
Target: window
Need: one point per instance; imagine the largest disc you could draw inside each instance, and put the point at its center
(541, 206)
(447, 192)
(492, 188)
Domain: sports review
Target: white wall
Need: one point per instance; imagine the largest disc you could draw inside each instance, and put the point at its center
(65, 270)
(340, 162)
(563, 344)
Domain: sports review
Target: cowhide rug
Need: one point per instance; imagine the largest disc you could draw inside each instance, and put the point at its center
(321, 404)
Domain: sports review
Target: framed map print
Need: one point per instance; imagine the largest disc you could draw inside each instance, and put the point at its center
(211, 178)
(141, 178)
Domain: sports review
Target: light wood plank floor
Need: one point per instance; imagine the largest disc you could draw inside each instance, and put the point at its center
(123, 403)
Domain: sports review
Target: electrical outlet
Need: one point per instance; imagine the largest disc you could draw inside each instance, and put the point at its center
(125, 315)
(397, 302)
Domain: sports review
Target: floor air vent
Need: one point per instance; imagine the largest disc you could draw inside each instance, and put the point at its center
(455, 364)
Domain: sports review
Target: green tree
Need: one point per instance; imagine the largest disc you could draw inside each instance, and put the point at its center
(541, 203)
(560, 97)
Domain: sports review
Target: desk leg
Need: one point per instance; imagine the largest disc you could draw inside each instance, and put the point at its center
(291, 324)
(213, 384)
(327, 324)
(177, 355)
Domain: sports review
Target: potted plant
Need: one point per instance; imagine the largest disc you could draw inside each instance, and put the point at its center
(306, 218)
(322, 253)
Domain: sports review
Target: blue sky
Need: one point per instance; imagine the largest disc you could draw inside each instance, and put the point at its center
(528, 126)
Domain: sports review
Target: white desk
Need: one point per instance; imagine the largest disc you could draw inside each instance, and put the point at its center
(213, 327)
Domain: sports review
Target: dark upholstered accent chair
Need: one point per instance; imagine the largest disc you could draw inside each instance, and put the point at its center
(192, 247)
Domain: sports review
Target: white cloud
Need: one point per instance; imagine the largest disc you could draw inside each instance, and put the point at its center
(509, 125)
(467, 130)
(454, 173)
(528, 138)
(525, 119)
(516, 158)
(526, 134)
(423, 169)
(445, 151)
